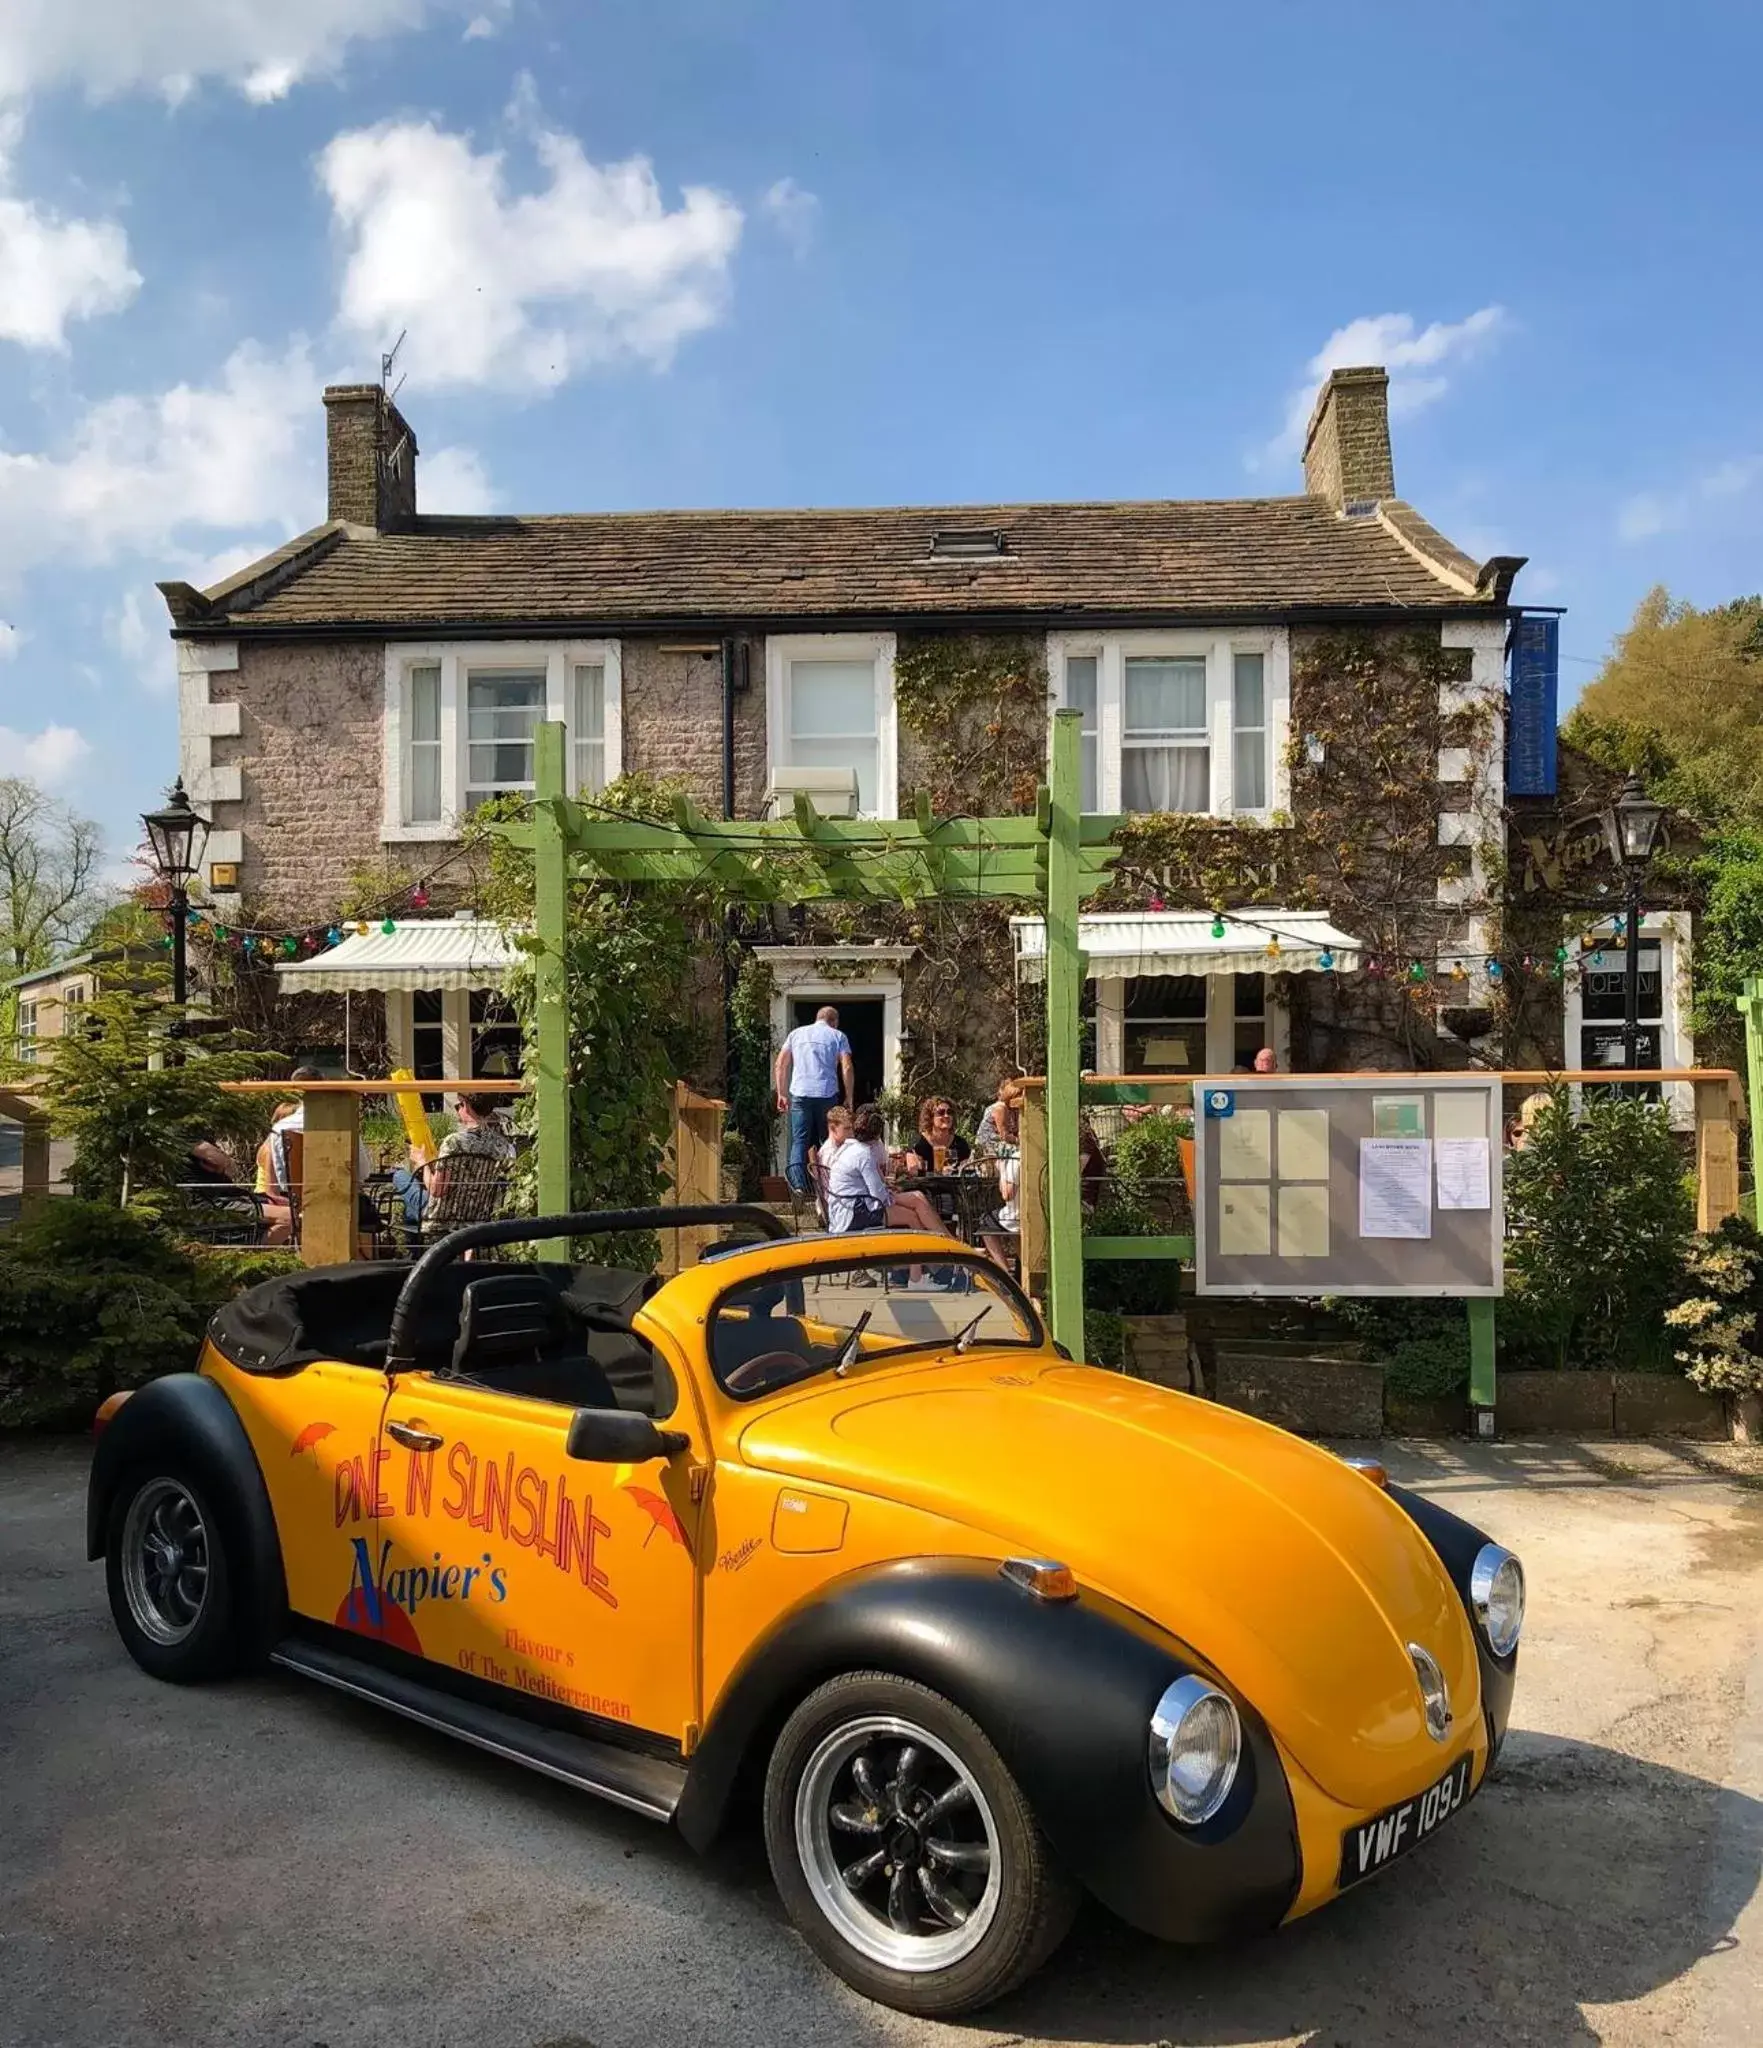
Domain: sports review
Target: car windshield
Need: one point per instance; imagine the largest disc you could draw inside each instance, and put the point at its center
(785, 1327)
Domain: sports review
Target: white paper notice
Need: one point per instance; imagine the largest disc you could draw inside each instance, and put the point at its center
(1460, 1113)
(1463, 1173)
(1395, 1187)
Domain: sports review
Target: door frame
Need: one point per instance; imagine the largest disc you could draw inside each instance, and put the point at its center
(830, 973)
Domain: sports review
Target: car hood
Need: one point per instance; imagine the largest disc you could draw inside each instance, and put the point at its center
(1297, 1579)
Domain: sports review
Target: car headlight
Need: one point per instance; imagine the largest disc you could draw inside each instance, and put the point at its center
(1196, 1744)
(1496, 1592)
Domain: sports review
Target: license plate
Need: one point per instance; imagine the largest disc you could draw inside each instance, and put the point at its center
(1376, 1843)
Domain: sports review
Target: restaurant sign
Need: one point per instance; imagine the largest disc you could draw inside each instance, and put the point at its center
(1536, 669)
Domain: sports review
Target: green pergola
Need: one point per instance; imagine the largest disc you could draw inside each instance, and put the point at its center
(1057, 857)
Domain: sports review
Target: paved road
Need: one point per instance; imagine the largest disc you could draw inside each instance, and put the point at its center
(266, 1863)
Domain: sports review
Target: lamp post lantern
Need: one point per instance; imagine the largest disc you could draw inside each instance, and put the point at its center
(1631, 830)
(178, 836)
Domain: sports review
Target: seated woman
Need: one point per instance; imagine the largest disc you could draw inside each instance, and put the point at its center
(858, 1198)
(999, 1132)
(278, 1211)
(937, 1133)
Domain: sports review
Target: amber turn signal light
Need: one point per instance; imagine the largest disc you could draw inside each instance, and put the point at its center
(1373, 1469)
(106, 1414)
(1044, 1577)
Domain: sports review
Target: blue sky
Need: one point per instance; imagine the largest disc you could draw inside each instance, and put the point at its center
(699, 252)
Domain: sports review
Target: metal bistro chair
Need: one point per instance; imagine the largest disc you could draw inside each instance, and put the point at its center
(225, 1213)
(477, 1191)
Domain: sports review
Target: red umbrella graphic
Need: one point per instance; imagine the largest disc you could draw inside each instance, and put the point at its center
(659, 1513)
(310, 1437)
(390, 1625)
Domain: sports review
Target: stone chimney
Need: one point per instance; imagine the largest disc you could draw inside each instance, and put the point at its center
(1347, 450)
(371, 458)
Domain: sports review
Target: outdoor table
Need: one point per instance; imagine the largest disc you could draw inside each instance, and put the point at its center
(962, 1199)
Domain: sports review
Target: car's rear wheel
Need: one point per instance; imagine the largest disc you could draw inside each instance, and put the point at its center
(170, 1580)
(905, 1851)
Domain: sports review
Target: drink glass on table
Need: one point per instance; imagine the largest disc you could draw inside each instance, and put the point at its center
(939, 1158)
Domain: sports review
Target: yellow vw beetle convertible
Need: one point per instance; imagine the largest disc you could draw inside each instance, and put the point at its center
(829, 1522)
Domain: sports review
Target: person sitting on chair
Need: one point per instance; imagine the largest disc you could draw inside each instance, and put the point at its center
(459, 1192)
(857, 1197)
(937, 1133)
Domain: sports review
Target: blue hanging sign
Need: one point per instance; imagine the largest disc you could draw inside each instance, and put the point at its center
(1530, 725)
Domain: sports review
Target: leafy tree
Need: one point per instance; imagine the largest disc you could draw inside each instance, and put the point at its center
(133, 1113)
(49, 885)
(1693, 680)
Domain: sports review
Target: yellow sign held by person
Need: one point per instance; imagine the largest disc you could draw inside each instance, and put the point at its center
(416, 1124)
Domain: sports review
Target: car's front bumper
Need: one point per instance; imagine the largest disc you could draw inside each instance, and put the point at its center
(1323, 1822)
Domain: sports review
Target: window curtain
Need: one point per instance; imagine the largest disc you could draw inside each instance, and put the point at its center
(1166, 778)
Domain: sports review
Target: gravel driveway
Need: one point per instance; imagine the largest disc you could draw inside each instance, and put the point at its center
(267, 1863)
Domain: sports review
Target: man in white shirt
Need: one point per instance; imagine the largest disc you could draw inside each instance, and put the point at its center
(813, 1074)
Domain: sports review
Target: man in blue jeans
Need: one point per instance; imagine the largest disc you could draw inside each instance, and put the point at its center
(814, 1073)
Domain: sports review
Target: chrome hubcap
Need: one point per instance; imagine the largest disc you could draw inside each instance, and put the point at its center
(898, 1844)
(164, 1561)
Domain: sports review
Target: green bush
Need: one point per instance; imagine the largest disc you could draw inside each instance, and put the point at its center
(1104, 1338)
(1718, 1324)
(1598, 1218)
(95, 1299)
(1146, 1162)
(1423, 1345)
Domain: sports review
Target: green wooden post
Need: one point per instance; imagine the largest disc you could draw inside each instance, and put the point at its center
(1481, 1353)
(1065, 1264)
(550, 892)
(1751, 1006)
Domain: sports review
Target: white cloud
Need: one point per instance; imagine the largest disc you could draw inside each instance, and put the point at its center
(455, 480)
(261, 47)
(794, 211)
(491, 21)
(54, 270)
(521, 290)
(1650, 513)
(155, 474)
(1417, 358)
(45, 756)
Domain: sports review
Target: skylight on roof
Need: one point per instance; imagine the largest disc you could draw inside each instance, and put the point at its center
(968, 543)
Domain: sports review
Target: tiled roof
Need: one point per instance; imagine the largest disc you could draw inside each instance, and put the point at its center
(1197, 558)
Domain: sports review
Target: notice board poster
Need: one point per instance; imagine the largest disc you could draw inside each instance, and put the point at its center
(1348, 1184)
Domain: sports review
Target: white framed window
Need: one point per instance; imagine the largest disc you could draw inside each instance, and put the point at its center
(1594, 992)
(1192, 721)
(460, 720)
(829, 703)
(27, 1031)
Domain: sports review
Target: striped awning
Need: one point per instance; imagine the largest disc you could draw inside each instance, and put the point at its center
(1126, 943)
(418, 953)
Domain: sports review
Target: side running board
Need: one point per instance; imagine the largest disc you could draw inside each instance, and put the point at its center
(645, 1784)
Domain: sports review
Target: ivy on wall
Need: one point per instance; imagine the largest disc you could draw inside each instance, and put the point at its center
(972, 711)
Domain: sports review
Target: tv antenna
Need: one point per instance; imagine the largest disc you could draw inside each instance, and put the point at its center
(386, 362)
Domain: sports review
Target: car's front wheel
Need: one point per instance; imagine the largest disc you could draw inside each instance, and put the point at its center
(905, 1851)
(168, 1576)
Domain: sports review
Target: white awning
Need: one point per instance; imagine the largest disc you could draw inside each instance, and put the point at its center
(419, 953)
(1185, 942)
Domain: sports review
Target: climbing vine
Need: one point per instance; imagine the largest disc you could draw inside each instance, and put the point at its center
(634, 954)
(751, 1104)
(972, 711)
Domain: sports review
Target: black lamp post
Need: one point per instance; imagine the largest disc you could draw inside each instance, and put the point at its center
(1631, 830)
(178, 836)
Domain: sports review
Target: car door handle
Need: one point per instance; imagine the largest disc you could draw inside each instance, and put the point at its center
(412, 1438)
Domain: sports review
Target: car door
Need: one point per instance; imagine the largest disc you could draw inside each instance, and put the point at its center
(509, 1561)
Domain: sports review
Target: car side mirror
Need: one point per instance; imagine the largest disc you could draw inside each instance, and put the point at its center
(611, 1436)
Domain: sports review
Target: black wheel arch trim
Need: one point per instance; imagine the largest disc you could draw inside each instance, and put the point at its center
(1065, 1691)
(1457, 1544)
(188, 1418)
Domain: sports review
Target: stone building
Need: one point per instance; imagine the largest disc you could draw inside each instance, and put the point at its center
(1299, 700)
